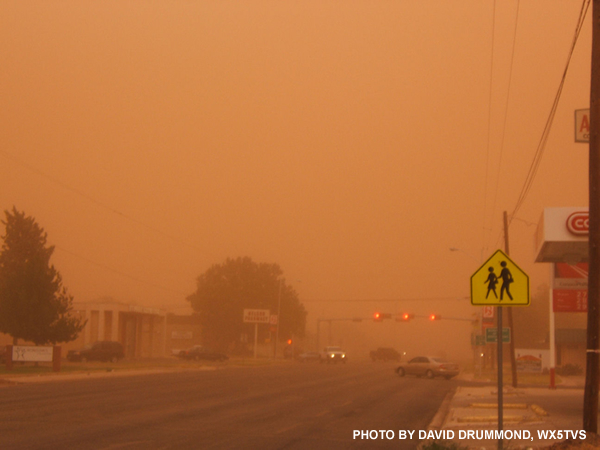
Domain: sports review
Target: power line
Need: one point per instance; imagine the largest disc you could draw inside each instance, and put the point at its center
(381, 300)
(95, 201)
(533, 168)
(123, 274)
(510, 75)
(489, 127)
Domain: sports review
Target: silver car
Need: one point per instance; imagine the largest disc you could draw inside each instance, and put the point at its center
(428, 366)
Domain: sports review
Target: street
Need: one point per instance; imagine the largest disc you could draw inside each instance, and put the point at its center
(291, 406)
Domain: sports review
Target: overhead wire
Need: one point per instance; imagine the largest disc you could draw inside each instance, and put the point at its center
(503, 134)
(93, 200)
(533, 168)
(489, 128)
(123, 274)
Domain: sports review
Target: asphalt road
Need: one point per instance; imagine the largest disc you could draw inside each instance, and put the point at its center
(295, 406)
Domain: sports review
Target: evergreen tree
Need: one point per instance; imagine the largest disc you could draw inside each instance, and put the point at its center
(34, 305)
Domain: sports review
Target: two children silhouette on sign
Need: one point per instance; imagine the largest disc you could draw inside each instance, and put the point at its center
(492, 281)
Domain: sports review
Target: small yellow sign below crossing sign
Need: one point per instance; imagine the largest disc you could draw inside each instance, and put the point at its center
(499, 282)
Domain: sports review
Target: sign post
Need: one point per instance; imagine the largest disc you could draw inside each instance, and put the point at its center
(256, 316)
(499, 269)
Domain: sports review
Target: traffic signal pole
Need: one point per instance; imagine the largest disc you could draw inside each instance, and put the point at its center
(592, 370)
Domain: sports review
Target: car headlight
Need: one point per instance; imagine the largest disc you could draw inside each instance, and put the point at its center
(332, 356)
(343, 356)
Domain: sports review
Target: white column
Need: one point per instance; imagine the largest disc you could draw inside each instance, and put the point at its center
(101, 325)
(115, 326)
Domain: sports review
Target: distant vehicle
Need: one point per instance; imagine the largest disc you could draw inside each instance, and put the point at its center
(333, 354)
(309, 356)
(198, 352)
(98, 351)
(385, 354)
(428, 366)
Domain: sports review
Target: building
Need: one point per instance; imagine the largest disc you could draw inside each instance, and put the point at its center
(144, 332)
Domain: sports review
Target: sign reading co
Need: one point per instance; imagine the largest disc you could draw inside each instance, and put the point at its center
(578, 223)
(499, 282)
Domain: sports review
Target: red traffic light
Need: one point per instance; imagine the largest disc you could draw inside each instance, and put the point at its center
(378, 317)
(289, 341)
(405, 317)
(434, 317)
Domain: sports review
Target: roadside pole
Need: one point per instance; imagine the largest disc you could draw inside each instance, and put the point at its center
(592, 372)
(513, 362)
(552, 332)
(500, 380)
(255, 339)
(514, 291)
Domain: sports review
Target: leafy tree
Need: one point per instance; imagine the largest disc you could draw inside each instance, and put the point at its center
(34, 305)
(225, 290)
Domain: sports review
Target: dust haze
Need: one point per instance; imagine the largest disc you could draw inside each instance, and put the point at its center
(352, 143)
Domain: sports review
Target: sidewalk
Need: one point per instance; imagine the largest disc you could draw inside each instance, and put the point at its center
(532, 416)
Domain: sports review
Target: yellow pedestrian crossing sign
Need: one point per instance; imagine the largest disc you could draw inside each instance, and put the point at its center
(499, 282)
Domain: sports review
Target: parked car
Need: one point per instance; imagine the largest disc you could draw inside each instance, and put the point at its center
(333, 354)
(384, 354)
(428, 366)
(198, 352)
(309, 356)
(98, 351)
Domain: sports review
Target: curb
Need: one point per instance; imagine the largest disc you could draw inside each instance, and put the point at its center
(440, 417)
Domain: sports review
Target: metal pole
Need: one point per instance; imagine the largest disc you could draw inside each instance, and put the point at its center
(500, 380)
(255, 339)
(318, 335)
(592, 370)
(278, 317)
(552, 327)
(513, 362)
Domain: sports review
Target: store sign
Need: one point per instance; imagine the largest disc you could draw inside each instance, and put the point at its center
(578, 223)
(31, 354)
(582, 125)
(257, 316)
(569, 292)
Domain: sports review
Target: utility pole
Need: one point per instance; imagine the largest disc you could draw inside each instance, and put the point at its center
(513, 362)
(592, 369)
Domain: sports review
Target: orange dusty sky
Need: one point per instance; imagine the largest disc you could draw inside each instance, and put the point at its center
(351, 142)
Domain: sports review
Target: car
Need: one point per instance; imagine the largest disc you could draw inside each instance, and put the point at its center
(384, 354)
(428, 366)
(98, 351)
(309, 356)
(198, 352)
(333, 354)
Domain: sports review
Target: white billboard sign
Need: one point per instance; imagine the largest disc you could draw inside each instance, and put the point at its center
(257, 316)
(31, 353)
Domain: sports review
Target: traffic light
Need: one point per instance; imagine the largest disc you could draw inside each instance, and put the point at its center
(378, 316)
(405, 317)
(289, 342)
(434, 317)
